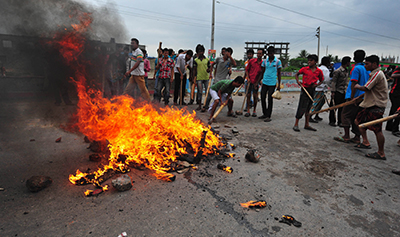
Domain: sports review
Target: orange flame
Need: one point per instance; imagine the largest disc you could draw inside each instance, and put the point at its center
(138, 131)
(254, 204)
(225, 168)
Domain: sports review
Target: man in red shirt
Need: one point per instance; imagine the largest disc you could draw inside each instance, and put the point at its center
(312, 77)
(253, 70)
(394, 95)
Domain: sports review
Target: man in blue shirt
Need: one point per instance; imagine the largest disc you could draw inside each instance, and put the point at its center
(271, 69)
(358, 75)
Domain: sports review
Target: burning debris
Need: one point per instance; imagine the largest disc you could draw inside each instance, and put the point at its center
(287, 219)
(254, 204)
(90, 193)
(130, 132)
(225, 168)
(252, 156)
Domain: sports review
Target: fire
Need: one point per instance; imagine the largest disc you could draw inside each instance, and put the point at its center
(137, 133)
(254, 204)
(287, 217)
(225, 168)
(89, 193)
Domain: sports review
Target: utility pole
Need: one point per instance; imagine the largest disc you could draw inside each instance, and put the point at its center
(326, 51)
(319, 37)
(212, 25)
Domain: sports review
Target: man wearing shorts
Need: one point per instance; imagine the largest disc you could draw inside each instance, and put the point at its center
(373, 106)
(358, 76)
(221, 93)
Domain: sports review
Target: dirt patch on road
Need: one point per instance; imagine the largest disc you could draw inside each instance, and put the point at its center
(322, 168)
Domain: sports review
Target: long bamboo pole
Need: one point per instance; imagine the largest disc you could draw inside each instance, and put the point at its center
(381, 120)
(339, 105)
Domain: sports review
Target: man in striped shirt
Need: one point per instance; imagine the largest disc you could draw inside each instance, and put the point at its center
(373, 106)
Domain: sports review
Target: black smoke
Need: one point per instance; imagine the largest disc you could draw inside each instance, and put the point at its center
(44, 17)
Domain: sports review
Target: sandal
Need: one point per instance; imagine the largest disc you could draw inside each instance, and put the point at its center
(396, 172)
(310, 128)
(375, 156)
(247, 115)
(362, 146)
(233, 115)
(353, 140)
(341, 139)
(296, 128)
(254, 115)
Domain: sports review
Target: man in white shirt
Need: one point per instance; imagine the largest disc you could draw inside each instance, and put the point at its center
(183, 61)
(319, 97)
(136, 72)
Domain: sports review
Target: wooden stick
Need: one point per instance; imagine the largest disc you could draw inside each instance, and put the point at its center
(244, 99)
(192, 95)
(339, 106)
(222, 106)
(309, 96)
(180, 93)
(208, 89)
(216, 113)
(381, 120)
(240, 87)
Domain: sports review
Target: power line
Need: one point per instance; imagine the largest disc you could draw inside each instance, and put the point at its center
(330, 22)
(346, 36)
(367, 14)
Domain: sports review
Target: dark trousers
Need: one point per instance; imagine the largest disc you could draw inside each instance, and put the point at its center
(177, 87)
(267, 111)
(304, 102)
(163, 83)
(393, 125)
(339, 98)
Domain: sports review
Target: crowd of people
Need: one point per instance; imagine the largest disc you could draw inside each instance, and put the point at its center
(366, 93)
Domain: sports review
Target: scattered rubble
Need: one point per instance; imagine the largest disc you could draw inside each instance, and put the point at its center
(290, 220)
(37, 183)
(122, 183)
(58, 140)
(252, 156)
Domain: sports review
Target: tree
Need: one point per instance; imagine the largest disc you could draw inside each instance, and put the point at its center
(298, 62)
(303, 54)
(284, 59)
(333, 59)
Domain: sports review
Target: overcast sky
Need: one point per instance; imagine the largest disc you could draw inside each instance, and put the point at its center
(345, 25)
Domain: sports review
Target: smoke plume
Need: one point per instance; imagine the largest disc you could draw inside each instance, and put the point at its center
(44, 17)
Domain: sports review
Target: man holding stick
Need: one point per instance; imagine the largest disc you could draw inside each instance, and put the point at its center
(253, 70)
(373, 106)
(359, 75)
(339, 84)
(271, 79)
(221, 92)
(183, 61)
(312, 77)
(222, 69)
(394, 96)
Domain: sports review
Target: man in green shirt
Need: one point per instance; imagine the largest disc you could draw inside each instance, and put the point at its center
(221, 92)
(201, 67)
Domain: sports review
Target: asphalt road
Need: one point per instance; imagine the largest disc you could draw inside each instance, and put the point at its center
(330, 187)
